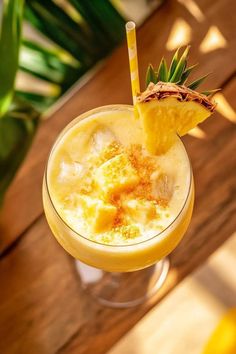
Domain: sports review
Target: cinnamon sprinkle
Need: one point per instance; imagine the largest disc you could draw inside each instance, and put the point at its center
(144, 165)
(119, 219)
(111, 151)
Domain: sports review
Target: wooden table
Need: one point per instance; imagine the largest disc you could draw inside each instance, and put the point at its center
(42, 307)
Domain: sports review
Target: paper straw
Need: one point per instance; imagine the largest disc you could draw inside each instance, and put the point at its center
(133, 59)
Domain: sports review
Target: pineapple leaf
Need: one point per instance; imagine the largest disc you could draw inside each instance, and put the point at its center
(197, 82)
(163, 71)
(186, 74)
(210, 92)
(178, 72)
(151, 76)
(180, 66)
(173, 64)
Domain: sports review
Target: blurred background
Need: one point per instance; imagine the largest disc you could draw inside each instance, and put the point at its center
(50, 50)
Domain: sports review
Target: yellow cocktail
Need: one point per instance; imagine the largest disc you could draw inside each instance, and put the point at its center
(158, 228)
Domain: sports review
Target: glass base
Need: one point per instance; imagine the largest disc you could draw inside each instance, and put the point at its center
(122, 290)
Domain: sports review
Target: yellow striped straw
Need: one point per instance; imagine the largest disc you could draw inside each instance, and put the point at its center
(133, 58)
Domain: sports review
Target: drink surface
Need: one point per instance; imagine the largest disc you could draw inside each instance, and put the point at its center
(108, 188)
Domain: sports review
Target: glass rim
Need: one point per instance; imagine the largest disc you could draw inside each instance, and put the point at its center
(63, 132)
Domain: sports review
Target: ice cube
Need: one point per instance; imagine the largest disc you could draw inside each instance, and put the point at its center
(162, 185)
(78, 168)
(101, 138)
(70, 171)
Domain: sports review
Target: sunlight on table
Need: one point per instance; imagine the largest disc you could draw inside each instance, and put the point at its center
(194, 9)
(213, 40)
(224, 107)
(180, 34)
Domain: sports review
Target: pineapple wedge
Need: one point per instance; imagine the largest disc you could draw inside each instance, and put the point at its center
(169, 105)
(99, 215)
(116, 175)
(166, 109)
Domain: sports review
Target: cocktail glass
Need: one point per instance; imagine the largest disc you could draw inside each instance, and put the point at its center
(118, 275)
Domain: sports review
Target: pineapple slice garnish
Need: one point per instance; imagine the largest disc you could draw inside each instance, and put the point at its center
(116, 175)
(99, 215)
(167, 107)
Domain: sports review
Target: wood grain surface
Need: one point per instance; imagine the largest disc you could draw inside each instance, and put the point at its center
(42, 307)
(190, 313)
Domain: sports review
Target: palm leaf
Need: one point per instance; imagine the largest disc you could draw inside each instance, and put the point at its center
(39, 102)
(17, 129)
(99, 28)
(47, 65)
(18, 121)
(10, 29)
(90, 19)
(54, 23)
(114, 26)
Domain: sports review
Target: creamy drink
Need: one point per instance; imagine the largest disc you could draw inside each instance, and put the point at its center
(108, 189)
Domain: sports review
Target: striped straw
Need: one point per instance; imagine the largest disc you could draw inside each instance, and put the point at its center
(133, 59)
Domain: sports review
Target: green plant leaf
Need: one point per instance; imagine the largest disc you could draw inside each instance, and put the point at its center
(52, 21)
(92, 24)
(47, 65)
(186, 74)
(10, 30)
(99, 28)
(173, 64)
(163, 71)
(197, 82)
(151, 76)
(17, 129)
(39, 102)
(180, 67)
(103, 18)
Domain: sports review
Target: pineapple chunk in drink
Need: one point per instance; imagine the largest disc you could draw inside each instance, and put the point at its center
(98, 214)
(116, 175)
(140, 210)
